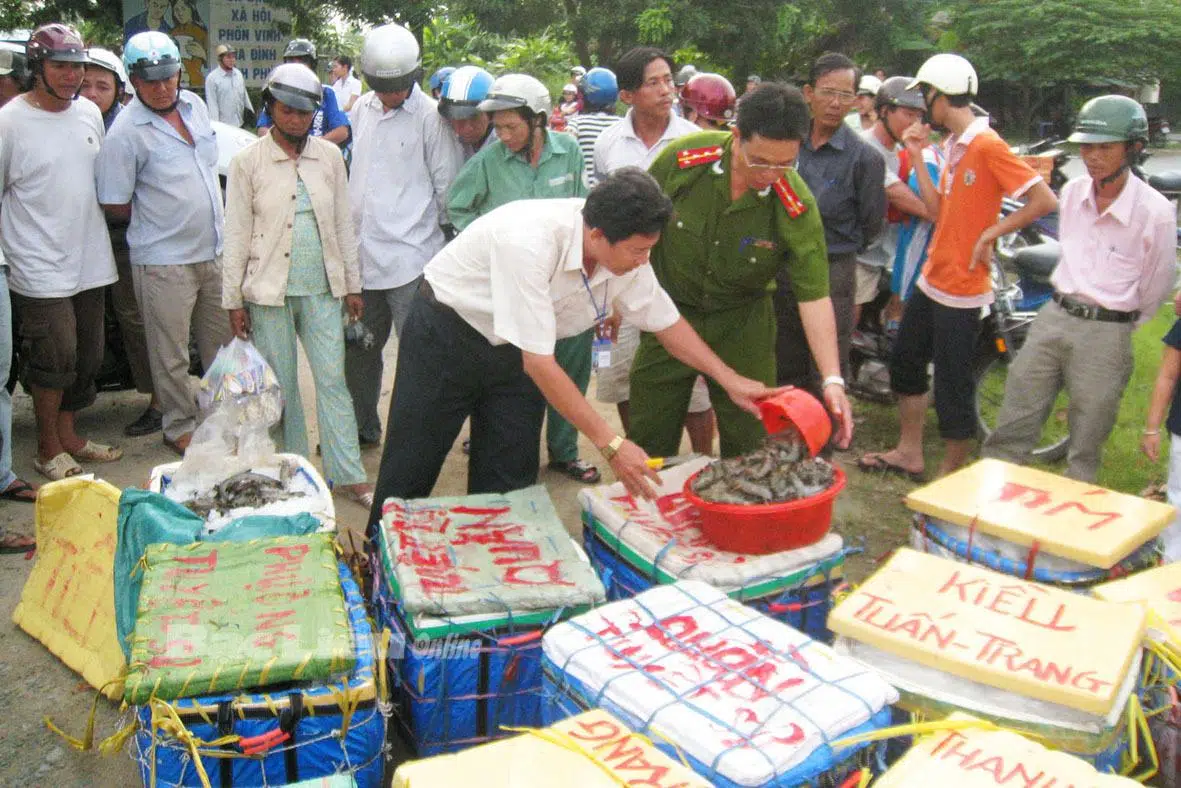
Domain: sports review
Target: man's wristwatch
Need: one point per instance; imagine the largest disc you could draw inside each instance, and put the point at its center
(833, 380)
(611, 449)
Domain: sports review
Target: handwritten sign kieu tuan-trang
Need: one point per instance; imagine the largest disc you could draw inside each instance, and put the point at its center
(1062, 516)
(982, 625)
(975, 758)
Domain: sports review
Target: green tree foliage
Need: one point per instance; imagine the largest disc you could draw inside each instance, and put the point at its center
(1056, 41)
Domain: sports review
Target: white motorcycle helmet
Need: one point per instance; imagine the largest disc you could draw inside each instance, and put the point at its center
(951, 75)
(869, 85)
(390, 59)
(514, 91)
(104, 58)
(295, 85)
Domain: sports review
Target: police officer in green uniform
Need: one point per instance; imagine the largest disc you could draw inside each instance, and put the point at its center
(741, 214)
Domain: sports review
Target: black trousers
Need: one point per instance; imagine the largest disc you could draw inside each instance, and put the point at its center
(931, 332)
(447, 372)
(793, 357)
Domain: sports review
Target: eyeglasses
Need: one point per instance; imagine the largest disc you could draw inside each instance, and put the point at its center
(841, 96)
(762, 165)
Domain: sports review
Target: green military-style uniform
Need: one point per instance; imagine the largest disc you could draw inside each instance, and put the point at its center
(718, 258)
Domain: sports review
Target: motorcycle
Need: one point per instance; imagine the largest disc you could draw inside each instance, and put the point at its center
(1158, 131)
(1048, 158)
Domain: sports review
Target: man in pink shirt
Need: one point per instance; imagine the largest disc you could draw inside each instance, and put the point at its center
(1119, 247)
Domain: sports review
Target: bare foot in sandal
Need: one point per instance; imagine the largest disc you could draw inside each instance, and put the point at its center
(14, 544)
(358, 493)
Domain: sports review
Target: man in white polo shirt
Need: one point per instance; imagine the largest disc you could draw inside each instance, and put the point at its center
(480, 336)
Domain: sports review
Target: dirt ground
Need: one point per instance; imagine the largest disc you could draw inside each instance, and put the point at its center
(34, 685)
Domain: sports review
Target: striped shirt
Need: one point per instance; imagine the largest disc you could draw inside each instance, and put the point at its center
(587, 129)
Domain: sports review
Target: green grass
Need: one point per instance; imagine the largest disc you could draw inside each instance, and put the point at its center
(1124, 467)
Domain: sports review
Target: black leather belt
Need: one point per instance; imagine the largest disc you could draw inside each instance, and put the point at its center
(1092, 312)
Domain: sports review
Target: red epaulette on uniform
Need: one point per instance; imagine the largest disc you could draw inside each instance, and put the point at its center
(693, 157)
(791, 201)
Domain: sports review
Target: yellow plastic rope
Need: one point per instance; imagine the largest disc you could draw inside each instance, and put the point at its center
(87, 741)
(1137, 727)
(166, 719)
(914, 729)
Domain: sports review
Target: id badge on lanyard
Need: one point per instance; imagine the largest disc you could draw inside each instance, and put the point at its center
(602, 345)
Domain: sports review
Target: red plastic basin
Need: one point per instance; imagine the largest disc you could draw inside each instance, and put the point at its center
(760, 528)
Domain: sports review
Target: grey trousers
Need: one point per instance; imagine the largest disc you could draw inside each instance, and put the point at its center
(1092, 361)
(175, 299)
(384, 309)
(793, 356)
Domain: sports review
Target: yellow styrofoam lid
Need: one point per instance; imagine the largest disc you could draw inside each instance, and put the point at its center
(1158, 589)
(591, 749)
(974, 758)
(1020, 636)
(1065, 517)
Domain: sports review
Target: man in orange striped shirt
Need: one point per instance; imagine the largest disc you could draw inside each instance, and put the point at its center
(942, 318)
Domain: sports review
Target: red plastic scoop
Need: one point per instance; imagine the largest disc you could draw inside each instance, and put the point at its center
(797, 410)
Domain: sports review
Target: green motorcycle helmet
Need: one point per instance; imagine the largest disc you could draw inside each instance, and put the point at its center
(1110, 119)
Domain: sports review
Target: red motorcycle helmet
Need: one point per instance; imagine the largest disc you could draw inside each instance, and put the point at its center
(711, 96)
(55, 41)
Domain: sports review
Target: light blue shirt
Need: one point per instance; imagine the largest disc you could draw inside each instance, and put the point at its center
(176, 207)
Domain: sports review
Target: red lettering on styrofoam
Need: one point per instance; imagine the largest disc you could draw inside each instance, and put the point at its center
(163, 661)
(166, 621)
(282, 597)
(1105, 518)
(1012, 491)
(515, 553)
(536, 575)
(271, 639)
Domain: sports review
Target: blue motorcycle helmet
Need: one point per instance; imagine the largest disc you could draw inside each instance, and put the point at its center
(151, 56)
(439, 79)
(463, 91)
(599, 88)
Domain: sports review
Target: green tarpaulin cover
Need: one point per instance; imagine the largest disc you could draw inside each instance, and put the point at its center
(216, 617)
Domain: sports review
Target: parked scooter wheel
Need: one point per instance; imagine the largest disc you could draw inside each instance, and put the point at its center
(992, 371)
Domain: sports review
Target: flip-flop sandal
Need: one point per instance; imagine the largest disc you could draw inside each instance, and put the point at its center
(15, 544)
(877, 463)
(363, 498)
(578, 470)
(16, 492)
(60, 467)
(97, 452)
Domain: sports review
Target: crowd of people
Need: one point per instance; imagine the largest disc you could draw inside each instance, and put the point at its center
(692, 255)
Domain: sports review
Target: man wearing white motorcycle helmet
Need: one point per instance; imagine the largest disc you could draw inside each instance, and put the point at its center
(942, 318)
(460, 105)
(1119, 246)
(864, 113)
(530, 162)
(106, 84)
(399, 202)
(158, 169)
(302, 263)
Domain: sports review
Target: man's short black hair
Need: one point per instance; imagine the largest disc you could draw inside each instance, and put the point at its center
(774, 110)
(345, 61)
(830, 62)
(629, 69)
(627, 202)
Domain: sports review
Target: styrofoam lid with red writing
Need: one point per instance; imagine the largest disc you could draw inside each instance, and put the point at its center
(737, 690)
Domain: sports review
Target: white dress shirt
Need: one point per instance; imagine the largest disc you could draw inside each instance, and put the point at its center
(620, 146)
(516, 276)
(404, 161)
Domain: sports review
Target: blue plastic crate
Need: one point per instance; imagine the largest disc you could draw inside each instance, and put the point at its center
(326, 729)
